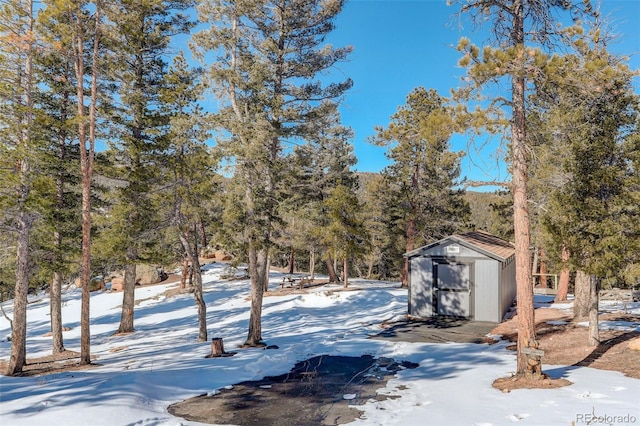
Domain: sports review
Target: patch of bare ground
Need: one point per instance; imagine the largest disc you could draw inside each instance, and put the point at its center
(507, 384)
(566, 343)
(59, 363)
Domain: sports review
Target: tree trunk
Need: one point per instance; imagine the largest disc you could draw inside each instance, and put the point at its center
(197, 286)
(86, 167)
(185, 272)
(534, 266)
(563, 284)
(522, 231)
(333, 277)
(55, 289)
(345, 271)
(128, 299)
(18, 356)
(543, 270)
(370, 265)
(85, 278)
(292, 259)
(312, 263)
(257, 272)
(582, 296)
(192, 258)
(199, 300)
(24, 221)
(202, 234)
(268, 268)
(356, 266)
(411, 233)
(55, 310)
(594, 296)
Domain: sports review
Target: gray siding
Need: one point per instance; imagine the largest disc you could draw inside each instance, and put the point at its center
(492, 283)
(452, 250)
(486, 290)
(507, 287)
(420, 286)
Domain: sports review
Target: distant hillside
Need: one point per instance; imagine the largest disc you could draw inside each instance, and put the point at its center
(492, 212)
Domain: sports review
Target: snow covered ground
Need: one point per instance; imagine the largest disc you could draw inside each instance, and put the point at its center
(162, 363)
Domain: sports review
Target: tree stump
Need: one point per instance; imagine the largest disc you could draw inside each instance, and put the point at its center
(217, 349)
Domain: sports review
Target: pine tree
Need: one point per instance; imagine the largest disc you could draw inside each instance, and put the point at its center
(345, 234)
(424, 173)
(18, 143)
(71, 42)
(58, 245)
(189, 169)
(315, 169)
(593, 214)
(519, 28)
(269, 54)
(139, 38)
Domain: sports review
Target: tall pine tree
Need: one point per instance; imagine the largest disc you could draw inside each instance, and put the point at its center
(424, 173)
(519, 29)
(18, 144)
(269, 55)
(139, 38)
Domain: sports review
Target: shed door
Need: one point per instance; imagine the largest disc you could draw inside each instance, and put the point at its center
(453, 294)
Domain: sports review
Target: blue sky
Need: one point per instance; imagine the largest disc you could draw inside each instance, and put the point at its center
(403, 44)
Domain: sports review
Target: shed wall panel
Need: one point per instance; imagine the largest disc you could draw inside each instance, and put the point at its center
(507, 288)
(421, 287)
(487, 273)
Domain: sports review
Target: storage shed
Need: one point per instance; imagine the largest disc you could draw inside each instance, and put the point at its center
(469, 275)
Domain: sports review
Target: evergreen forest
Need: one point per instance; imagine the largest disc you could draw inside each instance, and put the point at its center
(119, 151)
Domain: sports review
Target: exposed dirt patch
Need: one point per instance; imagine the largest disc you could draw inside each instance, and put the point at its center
(507, 384)
(566, 343)
(319, 391)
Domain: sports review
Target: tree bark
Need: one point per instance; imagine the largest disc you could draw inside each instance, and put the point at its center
(202, 233)
(198, 295)
(185, 272)
(199, 300)
(217, 347)
(292, 259)
(312, 263)
(370, 270)
(345, 271)
(594, 296)
(522, 231)
(543, 270)
(534, 266)
(582, 296)
(257, 272)
(25, 220)
(18, 357)
(411, 234)
(86, 167)
(55, 310)
(333, 277)
(563, 283)
(268, 269)
(55, 289)
(128, 299)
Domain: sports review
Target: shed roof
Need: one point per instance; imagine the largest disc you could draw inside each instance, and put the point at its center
(483, 242)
